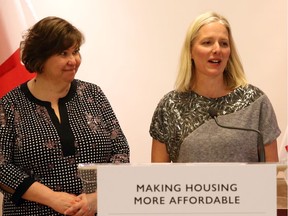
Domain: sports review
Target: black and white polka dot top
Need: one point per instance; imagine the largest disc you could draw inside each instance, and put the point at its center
(35, 146)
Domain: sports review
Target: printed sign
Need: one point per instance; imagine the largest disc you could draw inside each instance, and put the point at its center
(187, 189)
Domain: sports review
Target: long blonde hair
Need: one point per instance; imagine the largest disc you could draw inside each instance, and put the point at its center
(234, 75)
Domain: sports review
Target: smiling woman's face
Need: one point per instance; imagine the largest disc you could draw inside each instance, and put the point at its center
(63, 66)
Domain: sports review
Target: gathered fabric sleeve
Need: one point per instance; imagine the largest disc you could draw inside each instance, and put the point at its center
(13, 181)
(120, 147)
(268, 124)
(165, 123)
(159, 125)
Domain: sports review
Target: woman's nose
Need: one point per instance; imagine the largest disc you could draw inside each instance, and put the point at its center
(71, 60)
(216, 47)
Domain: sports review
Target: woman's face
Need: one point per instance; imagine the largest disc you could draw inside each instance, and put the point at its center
(63, 66)
(211, 50)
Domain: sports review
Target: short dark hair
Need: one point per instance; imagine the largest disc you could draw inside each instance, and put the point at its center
(47, 37)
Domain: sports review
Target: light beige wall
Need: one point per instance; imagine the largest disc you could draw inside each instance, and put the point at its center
(132, 50)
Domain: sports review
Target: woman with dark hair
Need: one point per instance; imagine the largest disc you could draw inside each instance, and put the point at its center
(52, 123)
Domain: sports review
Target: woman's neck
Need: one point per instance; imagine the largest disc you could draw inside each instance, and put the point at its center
(210, 88)
(46, 90)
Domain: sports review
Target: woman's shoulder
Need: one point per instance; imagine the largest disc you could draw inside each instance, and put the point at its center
(85, 84)
(13, 95)
(253, 88)
(175, 95)
(87, 87)
(175, 98)
(249, 92)
(169, 97)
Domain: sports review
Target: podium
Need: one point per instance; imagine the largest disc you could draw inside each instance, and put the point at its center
(188, 189)
(282, 191)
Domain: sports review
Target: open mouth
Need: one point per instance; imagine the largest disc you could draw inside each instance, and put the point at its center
(214, 61)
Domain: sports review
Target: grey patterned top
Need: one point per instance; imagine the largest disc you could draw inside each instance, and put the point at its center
(182, 122)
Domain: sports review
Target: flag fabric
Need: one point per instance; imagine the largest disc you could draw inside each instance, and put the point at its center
(16, 16)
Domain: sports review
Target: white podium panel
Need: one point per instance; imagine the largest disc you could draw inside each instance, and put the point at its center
(187, 189)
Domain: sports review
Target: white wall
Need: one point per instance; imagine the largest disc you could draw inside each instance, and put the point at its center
(132, 50)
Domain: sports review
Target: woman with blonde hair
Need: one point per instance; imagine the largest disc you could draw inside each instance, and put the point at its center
(211, 85)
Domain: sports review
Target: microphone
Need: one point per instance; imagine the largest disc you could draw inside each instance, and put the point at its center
(260, 145)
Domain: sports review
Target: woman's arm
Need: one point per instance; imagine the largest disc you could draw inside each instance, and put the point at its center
(271, 152)
(159, 152)
(121, 150)
(59, 201)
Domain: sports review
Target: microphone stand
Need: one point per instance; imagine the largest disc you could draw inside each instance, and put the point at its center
(260, 144)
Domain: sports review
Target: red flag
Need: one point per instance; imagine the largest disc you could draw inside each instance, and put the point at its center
(16, 16)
